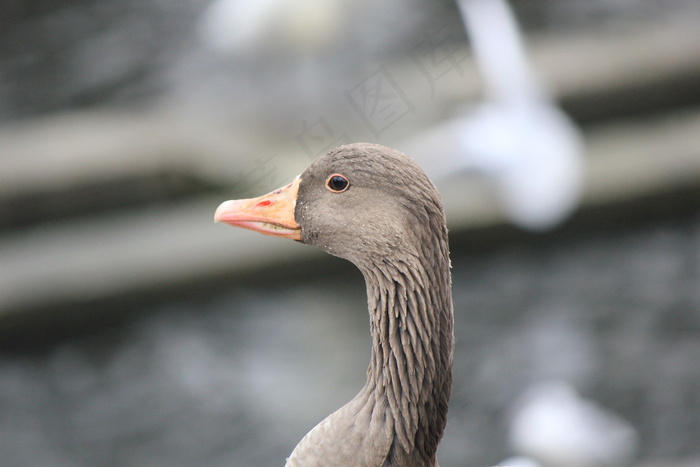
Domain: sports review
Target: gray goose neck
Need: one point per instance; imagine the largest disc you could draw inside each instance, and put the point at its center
(410, 373)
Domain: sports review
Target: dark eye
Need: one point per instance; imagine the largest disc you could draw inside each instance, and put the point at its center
(337, 183)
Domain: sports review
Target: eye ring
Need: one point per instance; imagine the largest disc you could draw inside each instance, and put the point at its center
(337, 183)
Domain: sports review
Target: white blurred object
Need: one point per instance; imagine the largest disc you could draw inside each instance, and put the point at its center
(517, 136)
(518, 462)
(553, 425)
(246, 26)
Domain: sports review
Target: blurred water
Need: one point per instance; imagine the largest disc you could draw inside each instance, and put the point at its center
(238, 378)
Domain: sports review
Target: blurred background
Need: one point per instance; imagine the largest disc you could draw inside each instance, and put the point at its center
(134, 331)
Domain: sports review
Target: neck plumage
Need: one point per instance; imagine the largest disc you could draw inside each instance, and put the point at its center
(410, 373)
(398, 417)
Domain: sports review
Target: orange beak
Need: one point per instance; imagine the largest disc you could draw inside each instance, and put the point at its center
(270, 214)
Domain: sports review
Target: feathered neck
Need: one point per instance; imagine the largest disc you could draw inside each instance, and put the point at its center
(410, 373)
(398, 417)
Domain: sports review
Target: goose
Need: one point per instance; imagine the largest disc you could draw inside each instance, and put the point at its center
(375, 207)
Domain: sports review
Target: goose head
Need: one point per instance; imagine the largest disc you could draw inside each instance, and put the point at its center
(362, 202)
